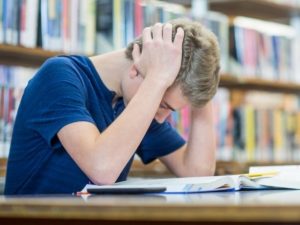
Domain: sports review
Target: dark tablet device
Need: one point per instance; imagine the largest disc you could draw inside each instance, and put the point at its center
(126, 190)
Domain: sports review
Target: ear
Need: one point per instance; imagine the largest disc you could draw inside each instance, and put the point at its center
(133, 72)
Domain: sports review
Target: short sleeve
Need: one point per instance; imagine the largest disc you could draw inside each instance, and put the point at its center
(160, 140)
(57, 96)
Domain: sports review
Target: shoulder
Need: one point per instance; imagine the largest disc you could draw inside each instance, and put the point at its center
(58, 63)
(59, 68)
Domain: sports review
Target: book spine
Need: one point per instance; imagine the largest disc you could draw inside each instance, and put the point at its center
(129, 21)
(12, 83)
(90, 28)
(1, 21)
(138, 18)
(74, 25)
(262, 49)
(118, 24)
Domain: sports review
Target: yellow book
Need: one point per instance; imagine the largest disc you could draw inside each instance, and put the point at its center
(278, 137)
(250, 132)
(118, 24)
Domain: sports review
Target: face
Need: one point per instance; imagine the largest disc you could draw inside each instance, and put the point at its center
(173, 99)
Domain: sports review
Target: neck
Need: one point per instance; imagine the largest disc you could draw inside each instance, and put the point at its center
(111, 67)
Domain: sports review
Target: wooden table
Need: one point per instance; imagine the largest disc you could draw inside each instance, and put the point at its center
(251, 207)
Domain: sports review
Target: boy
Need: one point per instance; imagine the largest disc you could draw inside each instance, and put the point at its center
(73, 128)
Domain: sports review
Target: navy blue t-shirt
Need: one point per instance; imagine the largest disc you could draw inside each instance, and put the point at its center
(68, 89)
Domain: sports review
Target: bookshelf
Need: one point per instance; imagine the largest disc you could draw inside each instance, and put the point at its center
(261, 9)
(34, 57)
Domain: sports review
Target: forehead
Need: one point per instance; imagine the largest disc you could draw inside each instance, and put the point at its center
(175, 97)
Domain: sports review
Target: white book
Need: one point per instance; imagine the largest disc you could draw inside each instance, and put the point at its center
(28, 35)
(259, 179)
(74, 24)
(1, 22)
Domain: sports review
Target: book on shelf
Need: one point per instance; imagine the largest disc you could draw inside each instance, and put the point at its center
(251, 125)
(259, 178)
(218, 23)
(262, 49)
(12, 84)
(257, 126)
(1, 21)
(55, 25)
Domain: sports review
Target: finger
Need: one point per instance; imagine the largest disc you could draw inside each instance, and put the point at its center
(167, 32)
(157, 31)
(147, 34)
(179, 38)
(136, 52)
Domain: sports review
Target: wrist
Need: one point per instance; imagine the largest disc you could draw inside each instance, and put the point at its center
(156, 82)
(204, 111)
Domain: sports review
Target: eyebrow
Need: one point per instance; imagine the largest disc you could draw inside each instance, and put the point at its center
(169, 107)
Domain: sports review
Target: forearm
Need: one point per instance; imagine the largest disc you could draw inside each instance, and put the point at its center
(114, 147)
(200, 156)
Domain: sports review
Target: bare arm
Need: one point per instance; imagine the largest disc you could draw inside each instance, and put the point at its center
(197, 157)
(102, 156)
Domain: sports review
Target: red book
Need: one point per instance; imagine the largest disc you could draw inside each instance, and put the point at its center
(138, 18)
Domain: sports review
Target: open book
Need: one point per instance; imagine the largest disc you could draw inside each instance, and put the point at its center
(274, 177)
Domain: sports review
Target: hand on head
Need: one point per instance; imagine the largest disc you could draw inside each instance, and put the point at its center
(161, 57)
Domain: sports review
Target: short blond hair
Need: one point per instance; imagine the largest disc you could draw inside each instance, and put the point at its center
(198, 76)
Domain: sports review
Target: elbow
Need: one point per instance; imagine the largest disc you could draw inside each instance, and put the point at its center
(103, 177)
(210, 171)
(103, 181)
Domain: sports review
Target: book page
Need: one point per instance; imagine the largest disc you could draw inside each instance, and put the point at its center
(287, 177)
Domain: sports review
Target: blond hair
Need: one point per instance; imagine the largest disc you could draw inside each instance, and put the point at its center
(198, 76)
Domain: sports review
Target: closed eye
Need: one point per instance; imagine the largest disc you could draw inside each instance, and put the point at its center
(165, 105)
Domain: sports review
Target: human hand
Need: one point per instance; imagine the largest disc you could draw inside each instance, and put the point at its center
(160, 59)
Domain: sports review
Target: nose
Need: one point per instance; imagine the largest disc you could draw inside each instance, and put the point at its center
(162, 115)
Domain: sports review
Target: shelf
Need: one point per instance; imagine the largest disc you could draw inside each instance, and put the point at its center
(157, 169)
(261, 9)
(233, 82)
(21, 56)
(3, 162)
(14, 55)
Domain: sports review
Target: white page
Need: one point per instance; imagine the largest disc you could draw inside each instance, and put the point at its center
(287, 177)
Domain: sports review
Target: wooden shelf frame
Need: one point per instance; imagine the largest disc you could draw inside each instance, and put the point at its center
(261, 9)
(20, 56)
(244, 83)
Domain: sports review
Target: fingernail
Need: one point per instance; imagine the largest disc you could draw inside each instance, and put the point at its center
(180, 29)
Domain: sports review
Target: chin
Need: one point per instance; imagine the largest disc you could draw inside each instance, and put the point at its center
(159, 121)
